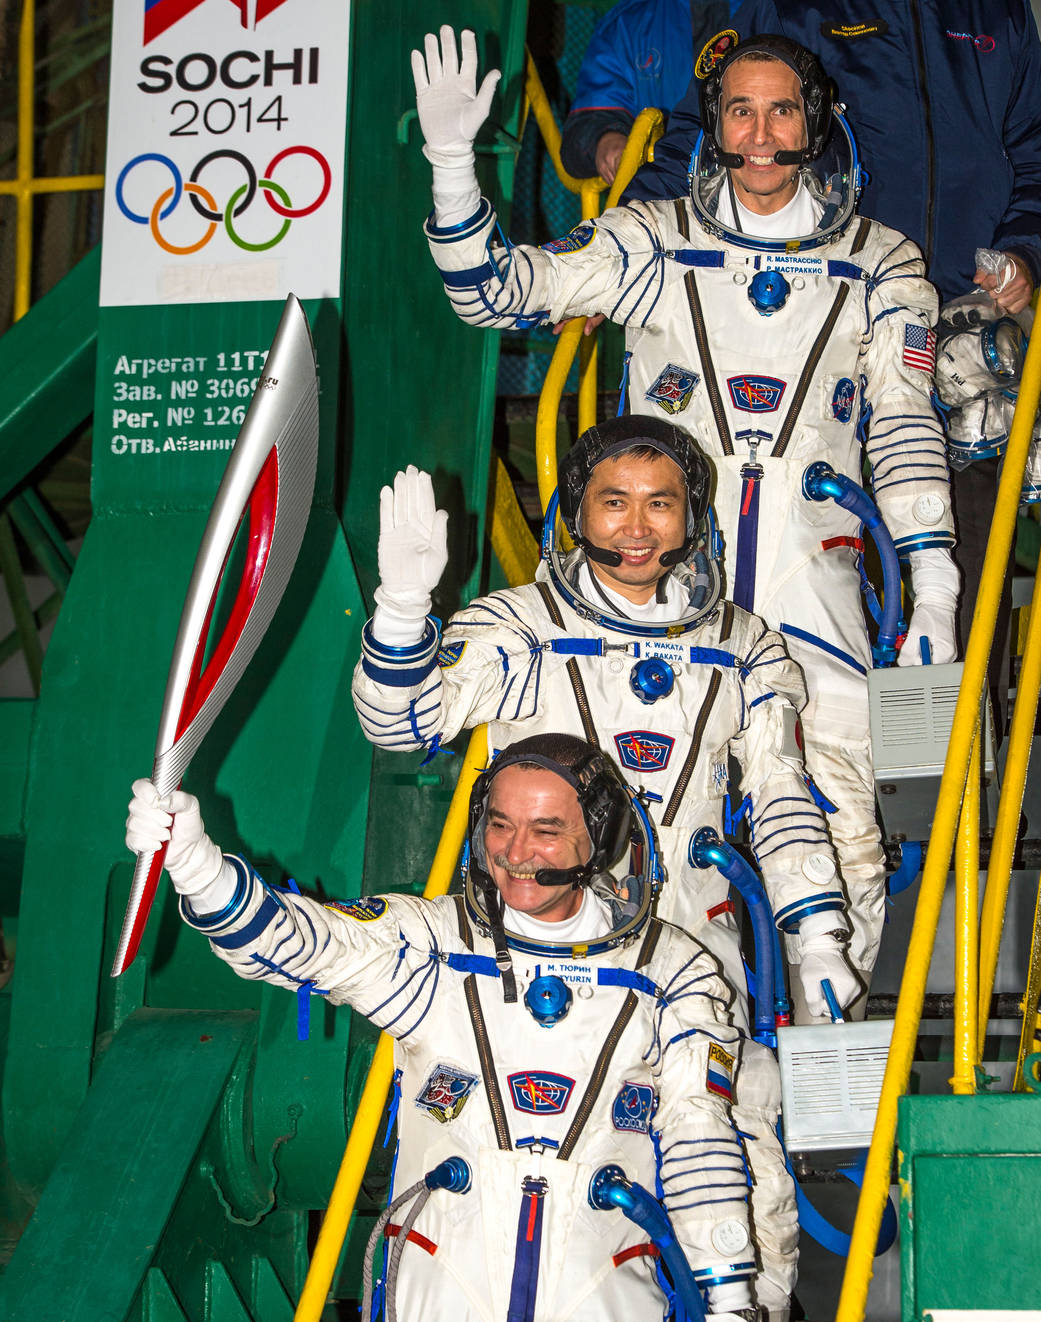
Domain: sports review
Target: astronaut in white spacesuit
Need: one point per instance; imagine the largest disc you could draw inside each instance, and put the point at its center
(546, 1026)
(780, 329)
(627, 641)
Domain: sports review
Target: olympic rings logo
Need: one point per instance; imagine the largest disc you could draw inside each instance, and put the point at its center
(205, 204)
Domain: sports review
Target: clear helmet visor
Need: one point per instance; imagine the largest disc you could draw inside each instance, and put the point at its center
(979, 429)
(629, 889)
(833, 181)
(700, 578)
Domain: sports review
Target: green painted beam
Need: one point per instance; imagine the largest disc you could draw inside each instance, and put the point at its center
(419, 385)
(47, 371)
(268, 1298)
(158, 1303)
(222, 1299)
(86, 1252)
(45, 542)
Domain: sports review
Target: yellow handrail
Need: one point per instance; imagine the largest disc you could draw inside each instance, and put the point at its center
(648, 127)
(1010, 806)
(24, 187)
(875, 1190)
(377, 1084)
(966, 929)
(515, 548)
(535, 96)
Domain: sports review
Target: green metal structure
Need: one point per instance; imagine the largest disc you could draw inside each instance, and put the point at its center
(168, 1131)
(970, 1170)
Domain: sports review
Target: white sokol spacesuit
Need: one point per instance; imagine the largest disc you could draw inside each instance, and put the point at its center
(774, 353)
(612, 1046)
(564, 653)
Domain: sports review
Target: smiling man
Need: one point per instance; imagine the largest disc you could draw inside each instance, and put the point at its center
(546, 1027)
(761, 114)
(626, 640)
(534, 824)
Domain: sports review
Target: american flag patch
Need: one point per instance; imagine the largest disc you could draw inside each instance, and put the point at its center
(919, 347)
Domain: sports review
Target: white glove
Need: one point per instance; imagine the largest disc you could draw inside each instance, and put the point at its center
(935, 583)
(451, 109)
(412, 555)
(823, 955)
(196, 866)
(728, 1299)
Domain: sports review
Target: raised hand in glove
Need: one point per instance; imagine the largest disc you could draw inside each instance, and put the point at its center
(451, 108)
(823, 955)
(935, 584)
(412, 554)
(449, 104)
(195, 864)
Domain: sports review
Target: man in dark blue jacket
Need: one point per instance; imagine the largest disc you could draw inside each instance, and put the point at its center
(641, 54)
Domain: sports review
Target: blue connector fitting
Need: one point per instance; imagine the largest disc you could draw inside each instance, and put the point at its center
(609, 1189)
(453, 1174)
(651, 679)
(768, 292)
(821, 482)
(771, 1003)
(548, 999)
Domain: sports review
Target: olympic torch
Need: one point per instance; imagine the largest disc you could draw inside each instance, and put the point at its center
(270, 475)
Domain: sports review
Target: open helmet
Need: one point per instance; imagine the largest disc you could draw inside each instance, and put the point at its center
(615, 820)
(696, 563)
(607, 440)
(829, 165)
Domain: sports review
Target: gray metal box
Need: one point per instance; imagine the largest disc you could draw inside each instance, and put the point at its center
(912, 710)
(831, 1077)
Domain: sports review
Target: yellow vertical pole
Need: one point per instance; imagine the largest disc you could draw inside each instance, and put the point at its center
(549, 408)
(1006, 827)
(966, 929)
(587, 367)
(587, 349)
(26, 132)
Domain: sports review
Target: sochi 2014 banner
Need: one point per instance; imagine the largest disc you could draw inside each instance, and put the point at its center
(227, 122)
